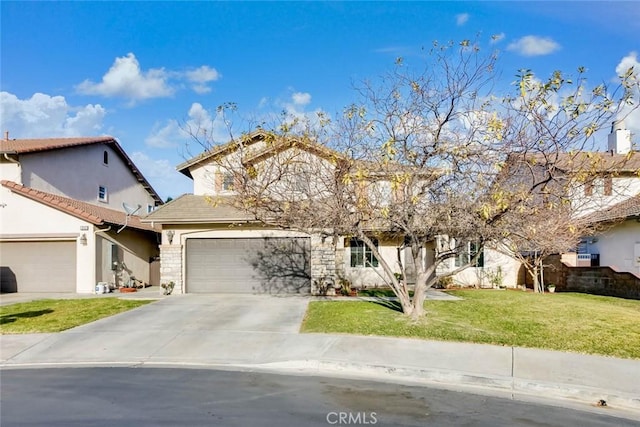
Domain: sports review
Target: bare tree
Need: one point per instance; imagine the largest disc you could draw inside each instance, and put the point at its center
(426, 158)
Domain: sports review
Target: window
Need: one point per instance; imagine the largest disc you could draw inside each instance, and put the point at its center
(468, 252)
(228, 182)
(105, 157)
(150, 208)
(599, 187)
(361, 255)
(102, 193)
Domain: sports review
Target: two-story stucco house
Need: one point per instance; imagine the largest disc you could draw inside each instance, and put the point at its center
(611, 201)
(70, 216)
(209, 246)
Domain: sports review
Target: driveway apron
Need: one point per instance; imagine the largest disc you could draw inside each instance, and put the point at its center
(181, 328)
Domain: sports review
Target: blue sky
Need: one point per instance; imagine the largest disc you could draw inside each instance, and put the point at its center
(138, 70)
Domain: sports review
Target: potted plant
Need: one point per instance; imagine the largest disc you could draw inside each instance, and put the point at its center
(551, 287)
(168, 287)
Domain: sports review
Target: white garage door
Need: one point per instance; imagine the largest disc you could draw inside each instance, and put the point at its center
(38, 266)
(261, 265)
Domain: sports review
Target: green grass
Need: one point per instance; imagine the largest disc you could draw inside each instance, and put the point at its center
(562, 321)
(57, 315)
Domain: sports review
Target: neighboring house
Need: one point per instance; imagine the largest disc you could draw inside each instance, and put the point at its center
(604, 198)
(207, 246)
(64, 224)
(618, 245)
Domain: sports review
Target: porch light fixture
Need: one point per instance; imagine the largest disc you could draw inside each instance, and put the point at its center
(170, 235)
(83, 239)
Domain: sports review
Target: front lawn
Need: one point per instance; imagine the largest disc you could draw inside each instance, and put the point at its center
(57, 315)
(561, 321)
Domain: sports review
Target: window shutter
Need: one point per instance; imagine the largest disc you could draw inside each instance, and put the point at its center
(588, 188)
(218, 182)
(608, 186)
(237, 181)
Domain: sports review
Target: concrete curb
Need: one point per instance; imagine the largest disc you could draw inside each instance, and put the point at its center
(502, 385)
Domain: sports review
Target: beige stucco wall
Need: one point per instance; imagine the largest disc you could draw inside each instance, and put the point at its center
(372, 276)
(269, 170)
(78, 171)
(622, 188)
(135, 249)
(620, 246)
(10, 171)
(481, 276)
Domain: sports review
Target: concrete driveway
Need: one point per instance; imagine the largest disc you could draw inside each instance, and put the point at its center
(188, 328)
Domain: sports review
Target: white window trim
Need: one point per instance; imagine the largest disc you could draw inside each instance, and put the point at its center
(104, 199)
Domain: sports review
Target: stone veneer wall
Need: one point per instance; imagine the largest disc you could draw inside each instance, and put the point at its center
(171, 266)
(323, 264)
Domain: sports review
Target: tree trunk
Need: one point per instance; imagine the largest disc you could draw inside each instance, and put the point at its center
(419, 296)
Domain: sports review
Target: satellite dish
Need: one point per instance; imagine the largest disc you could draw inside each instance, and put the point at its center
(130, 210)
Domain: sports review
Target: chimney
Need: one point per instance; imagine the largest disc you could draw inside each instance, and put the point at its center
(619, 138)
(6, 135)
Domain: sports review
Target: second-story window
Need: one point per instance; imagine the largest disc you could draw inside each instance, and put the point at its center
(105, 157)
(228, 182)
(599, 187)
(103, 195)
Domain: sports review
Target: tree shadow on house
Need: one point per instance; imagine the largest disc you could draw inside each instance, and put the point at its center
(10, 318)
(283, 266)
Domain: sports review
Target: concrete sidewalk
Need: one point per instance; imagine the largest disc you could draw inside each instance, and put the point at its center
(185, 330)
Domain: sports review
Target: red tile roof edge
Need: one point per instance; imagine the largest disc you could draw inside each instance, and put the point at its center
(66, 205)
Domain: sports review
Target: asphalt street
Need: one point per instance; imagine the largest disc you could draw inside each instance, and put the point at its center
(196, 397)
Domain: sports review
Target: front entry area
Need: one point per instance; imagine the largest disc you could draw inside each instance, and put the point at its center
(271, 265)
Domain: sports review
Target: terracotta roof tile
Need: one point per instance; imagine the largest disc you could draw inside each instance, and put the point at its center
(44, 144)
(590, 161)
(628, 208)
(94, 214)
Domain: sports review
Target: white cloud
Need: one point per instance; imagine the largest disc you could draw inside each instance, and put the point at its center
(462, 19)
(199, 123)
(629, 61)
(125, 79)
(301, 98)
(534, 46)
(631, 116)
(203, 74)
(48, 116)
(200, 77)
(166, 180)
(165, 136)
(496, 38)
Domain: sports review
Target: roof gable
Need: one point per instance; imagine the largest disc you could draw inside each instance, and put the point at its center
(93, 214)
(26, 146)
(274, 145)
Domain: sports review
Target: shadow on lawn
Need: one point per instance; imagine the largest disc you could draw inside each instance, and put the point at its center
(388, 303)
(10, 318)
